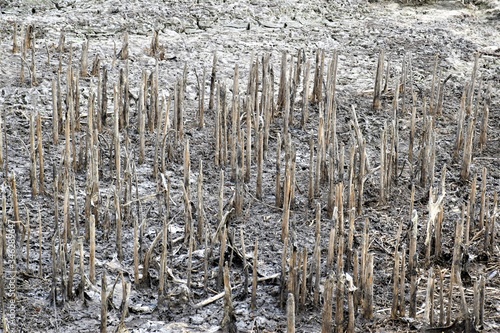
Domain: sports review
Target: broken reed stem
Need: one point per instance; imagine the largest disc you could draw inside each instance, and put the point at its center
(290, 313)
(377, 104)
(395, 286)
(188, 219)
(267, 99)
(201, 205)
(2, 142)
(357, 281)
(147, 258)
(136, 252)
(218, 126)
(104, 304)
(278, 191)
(248, 149)
(429, 298)
(119, 229)
(201, 101)
(317, 255)
(124, 51)
(479, 298)
(412, 140)
(33, 79)
(208, 254)
(361, 181)
(350, 237)
(383, 166)
(311, 192)
(283, 275)
(126, 287)
(213, 80)
(41, 176)
(492, 223)
(303, 287)
(66, 218)
(472, 86)
(457, 250)
(483, 208)
(327, 322)
(221, 198)
(229, 320)
(283, 84)
(253, 302)
(23, 61)
(468, 146)
(33, 179)
(352, 309)
(223, 109)
(190, 258)
(459, 137)
(180, 104)
(434, 208)
(223, 242)
(293, 280)
(331, 250)
(238, 197)
(260, 163)
(318, 76)
(441, 298)
(339, 315)
(15, 204)
(368, 302)
(28, 236)
(471, 208)
(15, 46)
(402, 277)
(287, 198)
(432, 108)
(158, 140)
(305, 94)
(319, 154)
(163, 258)
(85, 59)
(103, 107)
(141, 117)
(438, 234)
(71, 270)
(92, 250)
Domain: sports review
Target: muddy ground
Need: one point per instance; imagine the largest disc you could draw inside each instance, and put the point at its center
(189, 34)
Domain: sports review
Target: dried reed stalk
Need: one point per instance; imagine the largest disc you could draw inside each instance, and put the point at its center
(429, 298)
(483, 208)
(229, 320)
(201, 100)
(317, 255)
(368, 301)
(377, 104)
(85, 59)
(104, 304)
(213, 80)
(253, 302)
(188, 218)
(290, 314)
(278, 186)
(305, 94)
(327, 322)
(92, 250)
